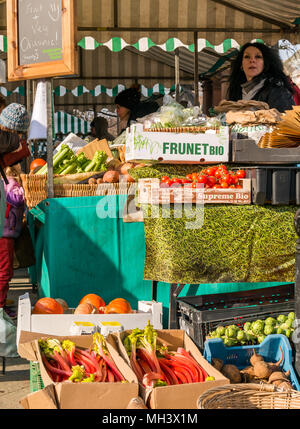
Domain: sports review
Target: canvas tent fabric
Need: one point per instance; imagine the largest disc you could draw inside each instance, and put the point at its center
(123, 31)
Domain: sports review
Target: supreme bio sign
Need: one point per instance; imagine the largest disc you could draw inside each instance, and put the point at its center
(169, 147)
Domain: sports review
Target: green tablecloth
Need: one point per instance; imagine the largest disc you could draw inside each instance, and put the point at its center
(83, 246)
(218, 243)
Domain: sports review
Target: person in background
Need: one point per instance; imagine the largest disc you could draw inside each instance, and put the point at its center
(99, 129)
(257, 74)
(2, 103)
(15, 207)
(129, 107)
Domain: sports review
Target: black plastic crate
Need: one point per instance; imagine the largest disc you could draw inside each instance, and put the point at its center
(199, 315)
(246, 151)
(274, 185)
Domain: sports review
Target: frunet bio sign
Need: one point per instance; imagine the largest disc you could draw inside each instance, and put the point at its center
(209, 147)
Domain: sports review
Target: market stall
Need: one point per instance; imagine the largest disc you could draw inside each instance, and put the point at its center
(240, 224)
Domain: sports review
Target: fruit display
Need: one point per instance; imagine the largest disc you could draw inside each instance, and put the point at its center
(254, 332)
(211, 177)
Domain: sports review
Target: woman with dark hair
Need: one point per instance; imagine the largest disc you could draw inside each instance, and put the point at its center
(129, 107)
(257, 74)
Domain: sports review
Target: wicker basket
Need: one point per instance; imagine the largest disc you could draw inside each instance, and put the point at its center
(35, 189)
(249, 396)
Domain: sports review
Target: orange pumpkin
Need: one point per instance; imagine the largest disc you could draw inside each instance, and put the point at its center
(93, 299)
(47, 306)
(118, 306)
(63, 304)
(86, 308)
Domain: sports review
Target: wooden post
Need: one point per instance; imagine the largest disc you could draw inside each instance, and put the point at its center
(49, 138)
(196, 68)
(177, 75)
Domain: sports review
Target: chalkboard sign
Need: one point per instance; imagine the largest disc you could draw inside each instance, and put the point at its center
(40, 31)
(40, 39)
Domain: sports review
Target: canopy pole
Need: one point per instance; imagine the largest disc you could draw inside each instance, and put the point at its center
(49, 138)
(177, 75)
(196, 68)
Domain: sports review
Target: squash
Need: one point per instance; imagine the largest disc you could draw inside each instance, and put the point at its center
(47, 306)
(118, 306)
(86, 308)
(95, 300)
(63, 303)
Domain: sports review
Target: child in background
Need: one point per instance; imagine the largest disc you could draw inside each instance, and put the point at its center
(15, 206)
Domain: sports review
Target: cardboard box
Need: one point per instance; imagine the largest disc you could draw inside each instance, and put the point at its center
(61, 324)
(177, 148)
(181, 396)
(90, 148)
(150, 192)
(79, 395)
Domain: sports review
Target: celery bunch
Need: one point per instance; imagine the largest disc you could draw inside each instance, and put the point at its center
(66, 162)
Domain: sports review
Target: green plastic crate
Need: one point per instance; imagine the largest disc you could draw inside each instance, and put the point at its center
(36, 382)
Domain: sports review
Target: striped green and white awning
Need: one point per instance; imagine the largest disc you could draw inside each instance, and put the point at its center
(6, 92)
(61, 90)
(65, 123)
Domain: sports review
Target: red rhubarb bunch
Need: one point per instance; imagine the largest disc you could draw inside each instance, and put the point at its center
(156, 366)
(66, 361)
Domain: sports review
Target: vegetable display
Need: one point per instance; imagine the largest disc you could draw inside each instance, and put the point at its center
(254, 332)
(154, 365)
(64, 361)
(259, 371)
(66, 162)
(211, 177)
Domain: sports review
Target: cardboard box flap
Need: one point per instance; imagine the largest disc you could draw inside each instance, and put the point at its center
(44, 399)
(92, 147)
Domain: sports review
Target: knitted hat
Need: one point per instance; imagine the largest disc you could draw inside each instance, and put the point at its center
(15, 117)
(128, 98)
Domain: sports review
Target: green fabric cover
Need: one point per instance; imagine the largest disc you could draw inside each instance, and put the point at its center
(78, 253)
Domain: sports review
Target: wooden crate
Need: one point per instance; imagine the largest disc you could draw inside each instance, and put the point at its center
(150, 192)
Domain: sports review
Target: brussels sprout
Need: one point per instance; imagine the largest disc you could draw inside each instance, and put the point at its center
(230, 332)
(291, 315)
(229, 342)
(212, 334)
(241, 336)
(270, 321)
(281, 318)
(258, 327)
(288, 332)
(269, 329)
(247, 326)
(220, 330)
(287, 324)
(260, 338)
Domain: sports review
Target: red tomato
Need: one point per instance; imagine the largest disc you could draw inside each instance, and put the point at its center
(175, 180)
(210, 171)
(224, 184)
(217, 185)
(164, 179)
(185, 181)
(197, 185)
(195, 177)
(234, 179)
(238, 186)
(218, 173)
(189, 177)
(226, 178)
(232, 186)
(212, 180)
(203, 179)
(241, 174)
